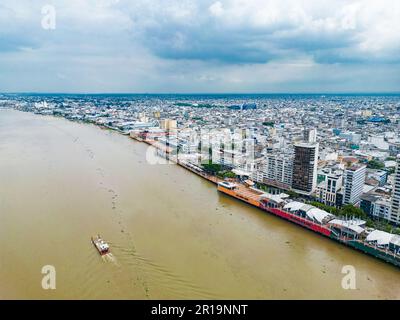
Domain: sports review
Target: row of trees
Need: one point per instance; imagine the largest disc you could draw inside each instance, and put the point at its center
(347, 210)
(218, 170)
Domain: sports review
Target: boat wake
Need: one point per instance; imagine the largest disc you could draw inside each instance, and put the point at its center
(110, 258)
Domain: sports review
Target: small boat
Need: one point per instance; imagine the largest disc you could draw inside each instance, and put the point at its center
(100, 245)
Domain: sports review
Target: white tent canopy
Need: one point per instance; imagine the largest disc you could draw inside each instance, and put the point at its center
(353, 225)
(381, 237)
(317, 214)
(293, 206)
(312, 212)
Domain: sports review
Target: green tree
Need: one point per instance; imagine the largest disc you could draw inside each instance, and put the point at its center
(325, 207)
(229, 174)
(350, 210)
(292, 194)
(374, 164)
(268, 123)
(370, 223)
(212, 168)
(390, 171)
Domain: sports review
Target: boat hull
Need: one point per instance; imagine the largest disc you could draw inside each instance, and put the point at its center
(97, 244)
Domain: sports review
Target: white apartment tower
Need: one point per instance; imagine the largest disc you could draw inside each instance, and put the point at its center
(278, 169)
(353, 184)
(310, 135)
(327, 191)
(395, 212)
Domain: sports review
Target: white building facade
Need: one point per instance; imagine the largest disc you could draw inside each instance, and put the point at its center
(353, 184)
(395, 212)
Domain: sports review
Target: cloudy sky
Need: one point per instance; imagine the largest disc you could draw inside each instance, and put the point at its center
(180, 46)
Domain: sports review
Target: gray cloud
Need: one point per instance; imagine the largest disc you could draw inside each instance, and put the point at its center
(259, 31)
(187, 45)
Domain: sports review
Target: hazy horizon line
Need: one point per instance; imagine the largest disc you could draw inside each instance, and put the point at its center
(205, 93)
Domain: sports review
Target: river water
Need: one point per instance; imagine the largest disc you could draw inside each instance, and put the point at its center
(172, 235)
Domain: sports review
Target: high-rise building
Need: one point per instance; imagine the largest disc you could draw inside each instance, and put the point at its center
(278, 169)
(305, 165)
(310, 135)
(354, 178)
(395, 210)
(328, 189)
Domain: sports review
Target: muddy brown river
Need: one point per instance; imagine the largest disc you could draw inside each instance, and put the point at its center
(172, 235)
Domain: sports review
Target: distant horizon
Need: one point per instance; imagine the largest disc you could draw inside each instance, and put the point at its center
(204, 93)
